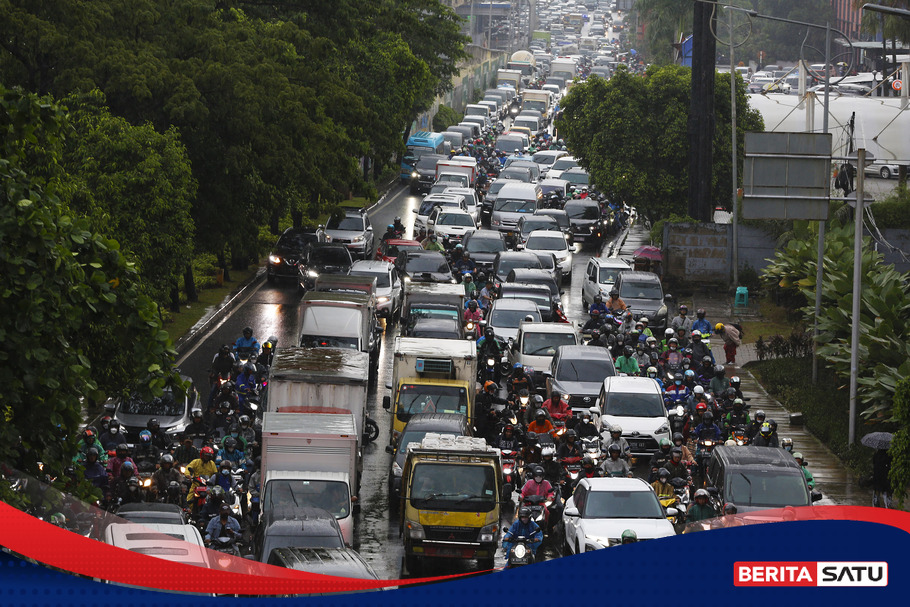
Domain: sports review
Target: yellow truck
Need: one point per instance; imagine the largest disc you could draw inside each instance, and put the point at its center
(450, 488)
(431, 376)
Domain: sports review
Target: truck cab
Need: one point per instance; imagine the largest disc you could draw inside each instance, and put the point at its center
(450, 491)
(431, 376)
(340, 320)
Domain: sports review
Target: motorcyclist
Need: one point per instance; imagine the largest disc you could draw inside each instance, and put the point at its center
(247, 341)
(390, 233)
(537, 484)
(159, 438)
(114, 463)
(120, 486)
(736, 384)
(738, 416)
(569, 447)
(810, 480)
(679, 441)
(165, 473)
(598, 305)
(203, 467)
(112, 437)
(470, 287)
(222, 365)
(616, 438)
(707, 430)
(398, 226)
(628, 322)
(465, 264)
(145, 454)
(558, 408)
(766, 437)
(509, 439)
(93, 471)
(653, 374)
(641, 356)
(614, 303)
(662, 486)
(88, 440)
(645, 331)
(585, 428)
(431, 243)
(519, 380)
(627, 363)
(678, 392)
(230, 452)
(473, 314)
(682, 321)
(786, 444)
(226, 396)
(719, 383)
(755, 426)
(488, 346)
(700, 510)
(542, 425)
(523, 527)
(676, 466)
(614, 465)
(700, 324)
(197, 429)
(224, 477)
(224, 525)
(487, 294)
(247, 385)
(700, 349)
(659, 458)
(669, 334)
(594, 321)
(186, 452)
(629, 537)
(589, 469)
(248, 434)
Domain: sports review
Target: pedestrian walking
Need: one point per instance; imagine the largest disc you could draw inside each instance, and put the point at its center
(732, 340)
(881, 484)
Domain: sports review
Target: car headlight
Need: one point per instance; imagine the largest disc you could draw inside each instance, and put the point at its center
(357, 239)
(415, 531)
(496, 222)
(382, 299)
(407, 279)
(599, 542)
(415, 174)
(274, 259)
(520, 551)
(396, 469)
(566, 397)
(488, 533)
(312, 274)
(664, 429)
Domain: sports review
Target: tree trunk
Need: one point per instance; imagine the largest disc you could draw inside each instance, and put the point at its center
(701, 114)
(222, 263)
(902, 175)
(175, 298)
(297, 218)
(189, 284)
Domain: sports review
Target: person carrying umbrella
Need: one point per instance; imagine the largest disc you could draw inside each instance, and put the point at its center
(881, 467)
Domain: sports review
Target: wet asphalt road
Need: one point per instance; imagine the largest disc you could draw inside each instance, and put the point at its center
(271, 309)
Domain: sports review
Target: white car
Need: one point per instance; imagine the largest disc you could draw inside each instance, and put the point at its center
(600, 509)
(546, 158)
(561, 164)
(436, 200)
(537, 342)
(388, 285)
(470, 200)
(450, 224)
(548, 241)
(600, 276)
(637, 406)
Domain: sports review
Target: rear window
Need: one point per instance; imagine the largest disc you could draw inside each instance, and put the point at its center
(640, 290)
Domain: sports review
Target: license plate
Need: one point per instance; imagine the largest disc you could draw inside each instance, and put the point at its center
(450, 552)
(637, 444)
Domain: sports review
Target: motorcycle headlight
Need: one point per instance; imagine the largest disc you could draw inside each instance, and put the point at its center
(415, 531)
(679, 411)
(274, 259)
(524, 400)
(312, 274)
(709, 443)
(573, 475)
(147, 483)
(491, 362)
(469, 326)
(507, 469)
(396, 469)
(520, 551)
(488, 533)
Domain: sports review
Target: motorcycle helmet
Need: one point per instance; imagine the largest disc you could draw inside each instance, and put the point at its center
(616, 429)
(689, 375)
(595, 313)
(672, 343)
(706, 360)
(91, 452)
(538, 472)
(524, 513)
(652, 372)
(729, 508)
(700, 313)
(541, 414)
(587, 463)
(197, 415)
(644, 320)
(668, 333)
(472, 305)
(765, 430)
(614, 293)
(629, 537)
(735, 381)
(489, 386)
(665, 445)
(598, 299)
(123, 450)
(663, 475)
(708, 418)
(248, 332)
(701, 408)
(217, 493)
(206, 452)
(627, 351)
(738, 404)
(114, 427)
(613, 448)
(678, 379)
(786, 444)
(127, 466)
(676, 451)
(166, 460)
(678, 438)
(719, 327)
(719, 371)
(230, 443)
(133, 483)
(571, 434)
(698, 390)
(760, 415)
(145, 436)
(225, 466)
(696, 335)
(244, 421)
(153, 424)
(106, 423)
(702, 493)
(773, 425)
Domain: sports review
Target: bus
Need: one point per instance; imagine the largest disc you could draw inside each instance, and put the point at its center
(420, 143)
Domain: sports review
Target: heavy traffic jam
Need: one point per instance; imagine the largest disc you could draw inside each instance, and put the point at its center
(515, 433)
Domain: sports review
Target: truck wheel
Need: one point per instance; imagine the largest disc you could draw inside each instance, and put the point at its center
(412, 564)
(370, 430)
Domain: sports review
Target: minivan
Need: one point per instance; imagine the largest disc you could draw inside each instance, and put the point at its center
(757, 478)
(475, 109)
(637, 405)
(514, 200)
(454, 138)
(178, 543)
(529, 122)
(476, 129)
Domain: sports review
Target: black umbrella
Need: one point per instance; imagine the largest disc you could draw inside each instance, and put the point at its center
(877, 440)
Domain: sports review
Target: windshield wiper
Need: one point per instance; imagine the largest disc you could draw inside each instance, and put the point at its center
(572, 364)
(539, 350)
(750, 487)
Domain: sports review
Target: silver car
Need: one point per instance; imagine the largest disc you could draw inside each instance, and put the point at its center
(600, 276)
(506, 314)
(388, 285)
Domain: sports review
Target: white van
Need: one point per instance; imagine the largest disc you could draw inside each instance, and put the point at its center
(529, 122)
(515, 200)
(456, 140)
(179, 543)
(476, 109)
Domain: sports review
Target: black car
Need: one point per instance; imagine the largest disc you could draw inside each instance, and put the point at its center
(339, 562)
(289, 250)
(424, 174)
(562, 218)
(585, 218)
(424, 266)
(507, 261)
(437, 328)
(538, 277)
(539, 294)
(298, 527)
(322, 258)
(483, 245)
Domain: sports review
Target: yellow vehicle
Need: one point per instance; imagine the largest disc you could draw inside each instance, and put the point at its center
(450, 488)
(431, 376)
(521, 129)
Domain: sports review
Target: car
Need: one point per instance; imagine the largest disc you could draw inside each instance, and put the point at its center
(289, 249)
(546, 241)
(555, 191)
(517, 173)
(472, 204)
(388, 285)
(514, 200)
(644, 296)
(149, 513)
(511, 144)
(423, 175)
(339, 562)
(525, 162)
(561, 164)
(506, 261)
(548, 263)
(174, 412)
(436, 200)
(319, 258)
(600, 509)
(637, 405)
(576, 176)
(578, 373)
(562, 218)
(530, 223)
(505, 315)
(450, 225)
(585, 218)
(483, 246)
(550, 309)
(436, 328)
(767, 84)
(449, 424)
(177, 543)
(885, 170)
(601, 274)
(424, 266)
(297, 527)
(489, 199)
(389, 250)
(351, 228)
(537, 343)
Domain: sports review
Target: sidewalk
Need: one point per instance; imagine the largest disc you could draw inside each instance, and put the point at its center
(832, 478)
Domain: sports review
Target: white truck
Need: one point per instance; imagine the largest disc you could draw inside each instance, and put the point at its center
(540, 101)
(459, 164)
(312, 459)
(322, 380)
(524, 62)
(431, 376)
(509, 77)
(340, 320)
(564, 67)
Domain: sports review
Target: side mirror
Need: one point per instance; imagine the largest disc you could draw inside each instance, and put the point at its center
(816, 495)
(668, 298)
(389, 449)
(369, 228)
(386, 402)
(713, 491)
(573, 512)
(413, 210)
(672, 511)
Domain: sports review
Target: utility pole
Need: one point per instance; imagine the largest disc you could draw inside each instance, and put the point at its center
(701, 112)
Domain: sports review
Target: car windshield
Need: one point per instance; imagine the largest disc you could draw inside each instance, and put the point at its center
(587, 370)
(539, 224)
(608, 276)
(396, 250)
(435, 333)
(331, 496)
(428, 162)
(321, 341)
(545, 344)
(526, 122)
(540, 106)
(582, 211)
(431, 398)
(561, 218)
(562, 164)
(622, 504)
(546, 188)
(509, 319)
(162, 406)
(543, 158)
(512, 205)
(630, 404)
(547, 243)
(507, 264)
(508, 144)
(415, 436)
(330, 256)
(516, 174)
(455, 219)
(440, 311)
(352, 224)
(427, 263)
(766, 488)
(383, 279)
(296, 241)
(547, 261)
(641, 290)
(485, 245)
(428, 203)
(453, 487)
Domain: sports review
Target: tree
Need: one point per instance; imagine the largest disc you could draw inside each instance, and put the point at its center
(630, 133)
(664, 21)
(73, 317)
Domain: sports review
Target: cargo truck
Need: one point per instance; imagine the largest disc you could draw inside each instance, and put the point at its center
(524, 62)
(509, 77)
(322, 380)
(431, 300)
(431, 376)
(540, 101)
(450, 489)
(459, 164)
(340, 320)
(563, 67)
(312, 459)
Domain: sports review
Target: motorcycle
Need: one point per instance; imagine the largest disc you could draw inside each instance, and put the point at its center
(521, 553)
(510, 473)
(703, 454)
(244, 354)
(228, 545)
(592, 447)
(679, 420)
(540, 509)
(472, 330)
(571, 470)
(676, 512)
(738, 434)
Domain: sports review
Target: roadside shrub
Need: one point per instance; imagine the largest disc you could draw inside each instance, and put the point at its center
(444, 118)
(893, 211)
